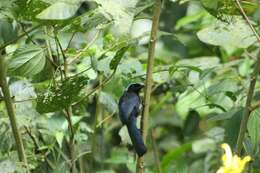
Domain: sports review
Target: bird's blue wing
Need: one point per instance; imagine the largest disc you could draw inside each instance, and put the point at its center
(128, 104)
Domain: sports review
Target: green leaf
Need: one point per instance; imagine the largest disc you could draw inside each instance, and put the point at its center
(214, 105)
(108, 101)
(236, 34)
(59, 137)
(223, 86)
(119, 156)
(117, 58)
(216, 133)
(27, 61)
(7, 31)
(27, 10)
(226, 115)
(203, 145)
(193, 68)
(61, 95)
(220, 9)
(121, 12)
(253, 127)
(174, 155)
(106, 171)
(189, 19)
(59, 11)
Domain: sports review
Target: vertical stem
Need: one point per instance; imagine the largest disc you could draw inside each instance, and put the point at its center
(148, 82)
(82, 165)
(68, 111)
(155, 153)
(250, 93)
(247, 109)
(97, 112)
(71, 140)
(11, 114)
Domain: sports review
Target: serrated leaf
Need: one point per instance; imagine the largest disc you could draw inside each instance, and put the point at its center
(61, 95)
(253, 127)
(27, 61)
(59, 11)
(117, 58)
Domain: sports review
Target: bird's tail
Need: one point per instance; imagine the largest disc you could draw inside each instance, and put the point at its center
(136, 138)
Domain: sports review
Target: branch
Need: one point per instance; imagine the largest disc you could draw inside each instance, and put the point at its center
(148, 82)
(11, 114)
(250, 93)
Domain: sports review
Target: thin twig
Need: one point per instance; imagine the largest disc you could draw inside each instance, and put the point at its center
(48, 45)
(35, 143)
(148, 82)
(65, 64)
(105, 119)
(73, 34)
(250, 93)
(247, 20)
(27, 34)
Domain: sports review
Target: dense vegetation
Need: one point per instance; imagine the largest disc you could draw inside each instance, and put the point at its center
(64, 65)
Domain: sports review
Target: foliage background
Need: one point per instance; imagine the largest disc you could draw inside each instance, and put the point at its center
(76, 57)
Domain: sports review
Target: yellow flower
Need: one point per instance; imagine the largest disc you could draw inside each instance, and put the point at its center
(232, 164)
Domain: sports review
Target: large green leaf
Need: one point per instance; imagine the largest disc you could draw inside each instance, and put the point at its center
(108, 102)
(174, 155)
(27, 60)
(61, 95)
(253, 126)
(60, 10)
(236, 34)
(121, 12)
(117, 58)
(220, 8)
(7, 31)
(27, 10)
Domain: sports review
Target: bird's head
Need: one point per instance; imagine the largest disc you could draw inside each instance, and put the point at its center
(135, 87)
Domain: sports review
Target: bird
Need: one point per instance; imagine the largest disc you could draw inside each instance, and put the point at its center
(129, 108)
